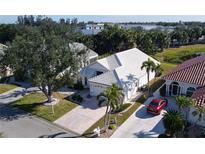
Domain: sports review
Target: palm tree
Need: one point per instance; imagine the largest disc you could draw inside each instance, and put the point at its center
(113, 97)
(149, 65)
(173, 122)
(158, 70)
(184, 104)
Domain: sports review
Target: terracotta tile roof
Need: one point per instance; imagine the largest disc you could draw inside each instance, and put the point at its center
(199, 96)
(191, 71)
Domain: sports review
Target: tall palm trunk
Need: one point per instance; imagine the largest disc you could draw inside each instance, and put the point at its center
(109, 113)
(106, 118)
(148, 82)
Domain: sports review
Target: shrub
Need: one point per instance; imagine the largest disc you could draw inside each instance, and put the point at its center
(78, 86)
(123, 107)
(112, 127)
(142, 99)
(163, 136)
(5, 79)
(77, 97)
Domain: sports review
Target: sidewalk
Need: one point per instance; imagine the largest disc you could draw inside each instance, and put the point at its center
(11, 95)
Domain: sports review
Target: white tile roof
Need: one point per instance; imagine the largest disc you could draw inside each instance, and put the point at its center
(110, 62)
(125, 68)
(106, 78)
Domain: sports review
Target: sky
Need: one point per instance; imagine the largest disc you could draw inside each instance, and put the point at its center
(117, 18)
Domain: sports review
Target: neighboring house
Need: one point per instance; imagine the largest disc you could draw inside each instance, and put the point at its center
(92, 29)
(5, 71)
(146, 27)
(88, 56)
(188, 79)
(123, 69)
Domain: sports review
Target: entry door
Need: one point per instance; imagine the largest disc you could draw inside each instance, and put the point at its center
(175, 90)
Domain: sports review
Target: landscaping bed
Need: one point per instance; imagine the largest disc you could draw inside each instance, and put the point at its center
(34, 103)
(121, 118)
(6, 87)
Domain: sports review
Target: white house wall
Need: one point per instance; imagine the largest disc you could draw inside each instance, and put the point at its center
(143, 79)
(194, 118)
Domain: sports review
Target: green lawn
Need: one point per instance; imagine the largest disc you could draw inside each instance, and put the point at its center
(6, 87)
(33, 103)
(167, 67)
(121, 118)
(178, 55)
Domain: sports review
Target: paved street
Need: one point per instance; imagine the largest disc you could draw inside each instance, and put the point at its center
(141, 124)
(17, 123)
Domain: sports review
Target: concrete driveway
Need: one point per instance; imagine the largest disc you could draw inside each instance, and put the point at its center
(82, 117)
(142, 124)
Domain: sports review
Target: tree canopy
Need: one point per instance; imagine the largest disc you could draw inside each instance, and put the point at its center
(40, 54)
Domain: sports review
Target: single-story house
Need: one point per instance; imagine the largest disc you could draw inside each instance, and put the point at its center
(188, 79)
(122, 68)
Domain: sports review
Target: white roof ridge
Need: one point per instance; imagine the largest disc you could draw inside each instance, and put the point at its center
(118, 61)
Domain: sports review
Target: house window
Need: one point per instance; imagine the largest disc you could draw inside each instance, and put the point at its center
(86, 81)
(190, 91)
(99, 72)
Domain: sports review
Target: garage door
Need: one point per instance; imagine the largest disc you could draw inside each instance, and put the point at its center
(96, 89)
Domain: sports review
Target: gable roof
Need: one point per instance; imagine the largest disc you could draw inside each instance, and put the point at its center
(80, 47)
(124, 68)
(191, 71)
(106, 78)
(110, 62)
(199, 96)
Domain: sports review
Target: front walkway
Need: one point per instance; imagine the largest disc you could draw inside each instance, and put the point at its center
(142, 124)
(82, 117)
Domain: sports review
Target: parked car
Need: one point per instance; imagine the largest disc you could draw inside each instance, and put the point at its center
(157, 105)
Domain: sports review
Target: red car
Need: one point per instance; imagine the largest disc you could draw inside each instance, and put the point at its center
(156, 106)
